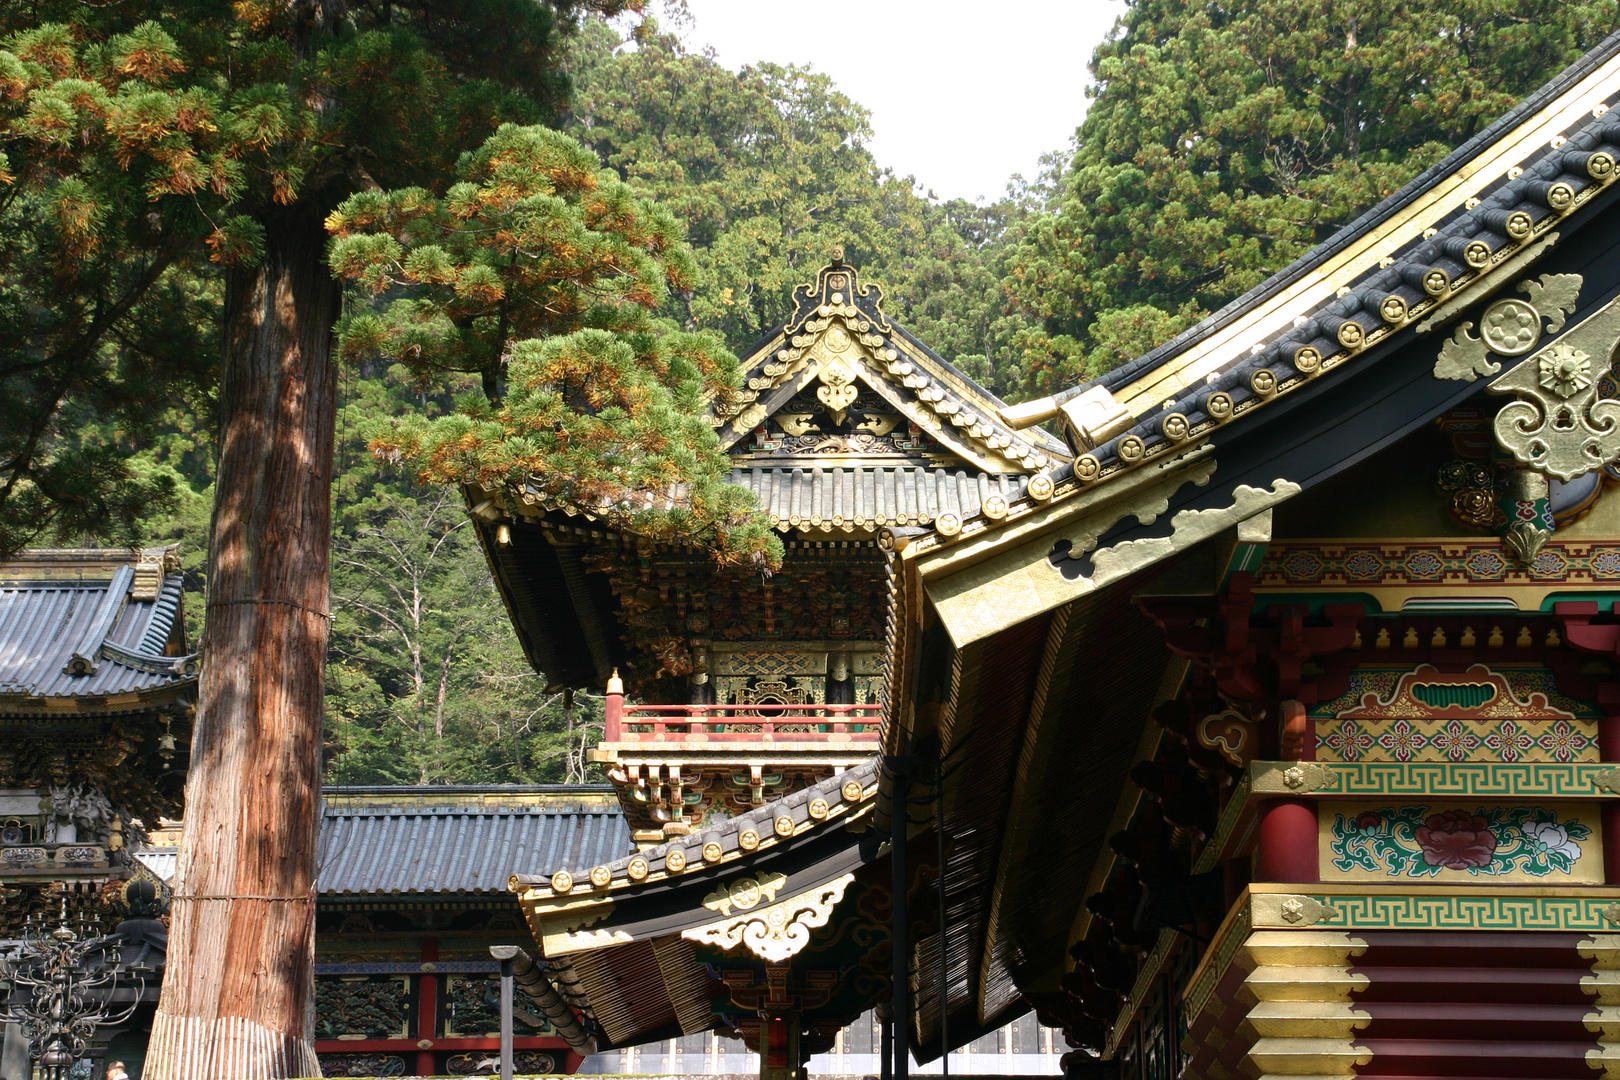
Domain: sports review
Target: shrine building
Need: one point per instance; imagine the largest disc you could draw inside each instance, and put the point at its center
(1260, 718)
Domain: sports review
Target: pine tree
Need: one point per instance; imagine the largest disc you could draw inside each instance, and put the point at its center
(154, 140)
(1228, 139)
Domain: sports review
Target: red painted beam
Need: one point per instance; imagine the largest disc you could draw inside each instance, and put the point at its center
(395, 1046)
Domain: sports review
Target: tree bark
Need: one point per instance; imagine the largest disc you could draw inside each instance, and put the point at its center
(238, 994)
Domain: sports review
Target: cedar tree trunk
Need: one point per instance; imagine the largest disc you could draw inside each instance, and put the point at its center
(238, 994)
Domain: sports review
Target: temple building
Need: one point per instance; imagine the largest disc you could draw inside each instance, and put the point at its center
(1270, 726)
(749, 686)
(97, 685)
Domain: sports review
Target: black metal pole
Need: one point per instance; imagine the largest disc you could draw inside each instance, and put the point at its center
(505, 955)
(901, 1007)
(886, 1050)
(944, 951)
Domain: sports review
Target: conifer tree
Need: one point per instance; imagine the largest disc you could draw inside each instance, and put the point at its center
(1226, 140)
(151, 141)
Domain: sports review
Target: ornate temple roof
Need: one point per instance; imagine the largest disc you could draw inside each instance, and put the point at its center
(94, 630)
(1312, 369)
(1018, 639)
(840, 341)
(813, 498)
(847, 424)
(627, 938)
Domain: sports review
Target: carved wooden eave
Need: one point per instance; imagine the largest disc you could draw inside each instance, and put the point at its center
(1013, 637)
(1334, 356)
(754, 888)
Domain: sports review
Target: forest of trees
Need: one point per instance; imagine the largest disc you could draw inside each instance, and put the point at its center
(1222, 141)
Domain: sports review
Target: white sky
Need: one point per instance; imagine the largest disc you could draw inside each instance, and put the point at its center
(962, 95)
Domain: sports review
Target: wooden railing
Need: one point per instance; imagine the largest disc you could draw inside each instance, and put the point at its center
(739, 723)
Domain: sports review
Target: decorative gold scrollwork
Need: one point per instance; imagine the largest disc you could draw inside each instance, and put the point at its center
(1509, 327)
(1558, 425)
(773, 933)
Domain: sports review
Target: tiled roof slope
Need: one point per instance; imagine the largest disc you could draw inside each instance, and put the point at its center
(862, 498)
(387, 841)
(1411, 264)
(91, 624)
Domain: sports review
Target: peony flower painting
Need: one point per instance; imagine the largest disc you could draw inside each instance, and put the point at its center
(1412, 841)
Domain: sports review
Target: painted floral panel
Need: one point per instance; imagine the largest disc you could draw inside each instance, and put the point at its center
(1451, 843)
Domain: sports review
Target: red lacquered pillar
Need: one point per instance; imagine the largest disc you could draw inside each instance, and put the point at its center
(613, 709)
(1288, 842)
(427, 1015)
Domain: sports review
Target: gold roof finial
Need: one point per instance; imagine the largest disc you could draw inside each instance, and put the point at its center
(838, 255)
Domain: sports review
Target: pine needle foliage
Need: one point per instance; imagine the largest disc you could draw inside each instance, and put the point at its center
(541, 272)
(148, 148)
(1226, 140)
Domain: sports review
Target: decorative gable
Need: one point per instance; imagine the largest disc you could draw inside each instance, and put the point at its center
(840, 379)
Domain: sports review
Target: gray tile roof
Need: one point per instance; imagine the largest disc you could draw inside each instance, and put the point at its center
(368, 850)
(88, 624)
(859, 498)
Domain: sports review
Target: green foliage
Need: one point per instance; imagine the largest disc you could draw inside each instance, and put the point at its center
(768, 170)
(536, 272)
(143, 147)
(1227, 140)
(425, 682)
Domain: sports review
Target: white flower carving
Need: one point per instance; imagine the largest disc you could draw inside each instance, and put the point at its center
(1553, 837)
(1565, 369)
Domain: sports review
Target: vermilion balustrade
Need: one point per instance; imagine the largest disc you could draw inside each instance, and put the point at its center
(721, 723)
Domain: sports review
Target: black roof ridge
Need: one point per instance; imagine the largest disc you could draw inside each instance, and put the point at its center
(1277, 282)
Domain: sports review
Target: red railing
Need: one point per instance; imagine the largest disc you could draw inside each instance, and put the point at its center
(739, 723)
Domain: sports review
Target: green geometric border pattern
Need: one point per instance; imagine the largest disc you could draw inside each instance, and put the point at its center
(1417, 911)
(1466, 779)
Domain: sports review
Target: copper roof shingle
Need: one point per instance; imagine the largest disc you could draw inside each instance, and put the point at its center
(861, 498)
(76, 624)
(445, 848)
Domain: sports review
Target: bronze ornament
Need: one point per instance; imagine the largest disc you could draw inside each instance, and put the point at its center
(1509, 327)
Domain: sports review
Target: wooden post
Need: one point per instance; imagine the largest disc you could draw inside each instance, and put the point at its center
(900, 975)
(614, 711)
(1288, 842)
(239, 991)
(427, 1015)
